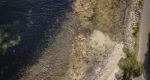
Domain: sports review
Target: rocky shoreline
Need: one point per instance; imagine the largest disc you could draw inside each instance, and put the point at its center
(90, 47)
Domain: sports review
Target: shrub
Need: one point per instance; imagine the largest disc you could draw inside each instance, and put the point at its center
(141, 2)
(130, 66)
(135, 30)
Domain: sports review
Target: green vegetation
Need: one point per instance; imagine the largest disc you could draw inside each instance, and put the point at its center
(130, 66)
(136, 30)
(7, 40)
(136, 35)
(141, 2)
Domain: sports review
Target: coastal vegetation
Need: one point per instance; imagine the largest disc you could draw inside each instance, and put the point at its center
(136, 30)
(141, 2)
(130, 66)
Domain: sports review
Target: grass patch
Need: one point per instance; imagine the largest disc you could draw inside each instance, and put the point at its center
(104, 18)
(136, 30)
(141, 2)
(136, 35)
(130, 66)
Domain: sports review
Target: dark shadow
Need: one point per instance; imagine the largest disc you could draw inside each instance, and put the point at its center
(147, 61)
(36, 21)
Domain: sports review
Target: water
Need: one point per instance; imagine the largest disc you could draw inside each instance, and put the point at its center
(35, 21)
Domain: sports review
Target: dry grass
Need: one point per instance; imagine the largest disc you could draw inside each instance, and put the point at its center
(100, 15)
(105, 17)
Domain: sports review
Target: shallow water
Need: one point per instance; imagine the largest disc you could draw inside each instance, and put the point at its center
(35, 21)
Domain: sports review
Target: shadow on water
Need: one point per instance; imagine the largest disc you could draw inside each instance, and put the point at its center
(147, 61)
(36, 21)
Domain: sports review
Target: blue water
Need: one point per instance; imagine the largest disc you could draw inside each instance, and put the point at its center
(35, 21)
